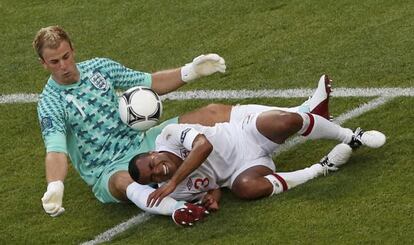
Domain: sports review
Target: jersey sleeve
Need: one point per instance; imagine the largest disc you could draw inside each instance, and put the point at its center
(51, 119)
(175, 137)
(124, 77)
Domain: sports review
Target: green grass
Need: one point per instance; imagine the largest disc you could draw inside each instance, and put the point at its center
(270, 44)
(266, 44)
(368, 200)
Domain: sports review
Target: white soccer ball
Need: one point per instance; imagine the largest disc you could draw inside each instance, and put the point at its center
(140, 108)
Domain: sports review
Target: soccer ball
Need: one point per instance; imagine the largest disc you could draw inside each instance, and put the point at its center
(140, 108)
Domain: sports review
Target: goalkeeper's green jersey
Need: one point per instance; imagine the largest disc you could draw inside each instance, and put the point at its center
(82, 119)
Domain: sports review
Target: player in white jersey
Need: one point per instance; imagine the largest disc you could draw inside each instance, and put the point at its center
(193, 160)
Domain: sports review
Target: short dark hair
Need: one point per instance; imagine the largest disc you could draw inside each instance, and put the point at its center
(132, 167)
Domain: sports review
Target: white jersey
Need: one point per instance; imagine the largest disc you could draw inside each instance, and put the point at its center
(236, 147)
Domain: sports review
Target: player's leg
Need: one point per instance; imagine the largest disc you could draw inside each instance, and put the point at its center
(122, 189)
(261, 181)
(207, 115)
(316, 127)
(317, 104)
(251, 184)
(216, 113)
(118, 183)
(279, 125)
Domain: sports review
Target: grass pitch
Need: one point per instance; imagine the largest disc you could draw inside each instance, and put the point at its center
(267, 44)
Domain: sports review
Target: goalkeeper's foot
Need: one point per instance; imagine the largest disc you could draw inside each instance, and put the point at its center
(318, 103)
(372, 139)
(338, 156)
(188, 214)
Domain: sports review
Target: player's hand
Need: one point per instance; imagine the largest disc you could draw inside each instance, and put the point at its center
(52, 199)
(203, 65)
(156, 196)
(210, 203)
(187, 214)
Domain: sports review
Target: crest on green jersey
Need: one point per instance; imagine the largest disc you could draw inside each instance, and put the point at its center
(46, 123)
(99, 81)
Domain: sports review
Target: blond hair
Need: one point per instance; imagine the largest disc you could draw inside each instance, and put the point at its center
(50, 37)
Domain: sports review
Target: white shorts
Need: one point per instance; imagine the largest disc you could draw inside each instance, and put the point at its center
(250, 147)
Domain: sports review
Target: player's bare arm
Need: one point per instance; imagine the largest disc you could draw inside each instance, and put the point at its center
(201, 149)
(56, 171)
(212, 199)
(166, 81)
(56, 166)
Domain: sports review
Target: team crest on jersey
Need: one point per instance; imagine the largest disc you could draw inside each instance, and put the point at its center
(45, 123)
(99, 81)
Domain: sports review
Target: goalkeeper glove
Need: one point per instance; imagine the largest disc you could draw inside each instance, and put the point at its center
(202, 65)
(52, 199)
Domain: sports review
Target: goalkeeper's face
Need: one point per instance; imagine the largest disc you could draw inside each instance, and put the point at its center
(157, 167)
(60, 62)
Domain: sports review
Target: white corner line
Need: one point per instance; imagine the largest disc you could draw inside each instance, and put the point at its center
(243, 94)
(142, 217)
(287, 93)
(111, 233)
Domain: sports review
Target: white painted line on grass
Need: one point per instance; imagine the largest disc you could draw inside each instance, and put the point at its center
(242, 94)
(111, 233)
(286, 93)
(141, 218)
(18, 98)
(373, 104)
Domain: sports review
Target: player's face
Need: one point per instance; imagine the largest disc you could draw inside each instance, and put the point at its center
(156, 168)
(61, 63)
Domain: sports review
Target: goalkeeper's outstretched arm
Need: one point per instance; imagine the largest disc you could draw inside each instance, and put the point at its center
(56, 171)
(204, 65)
